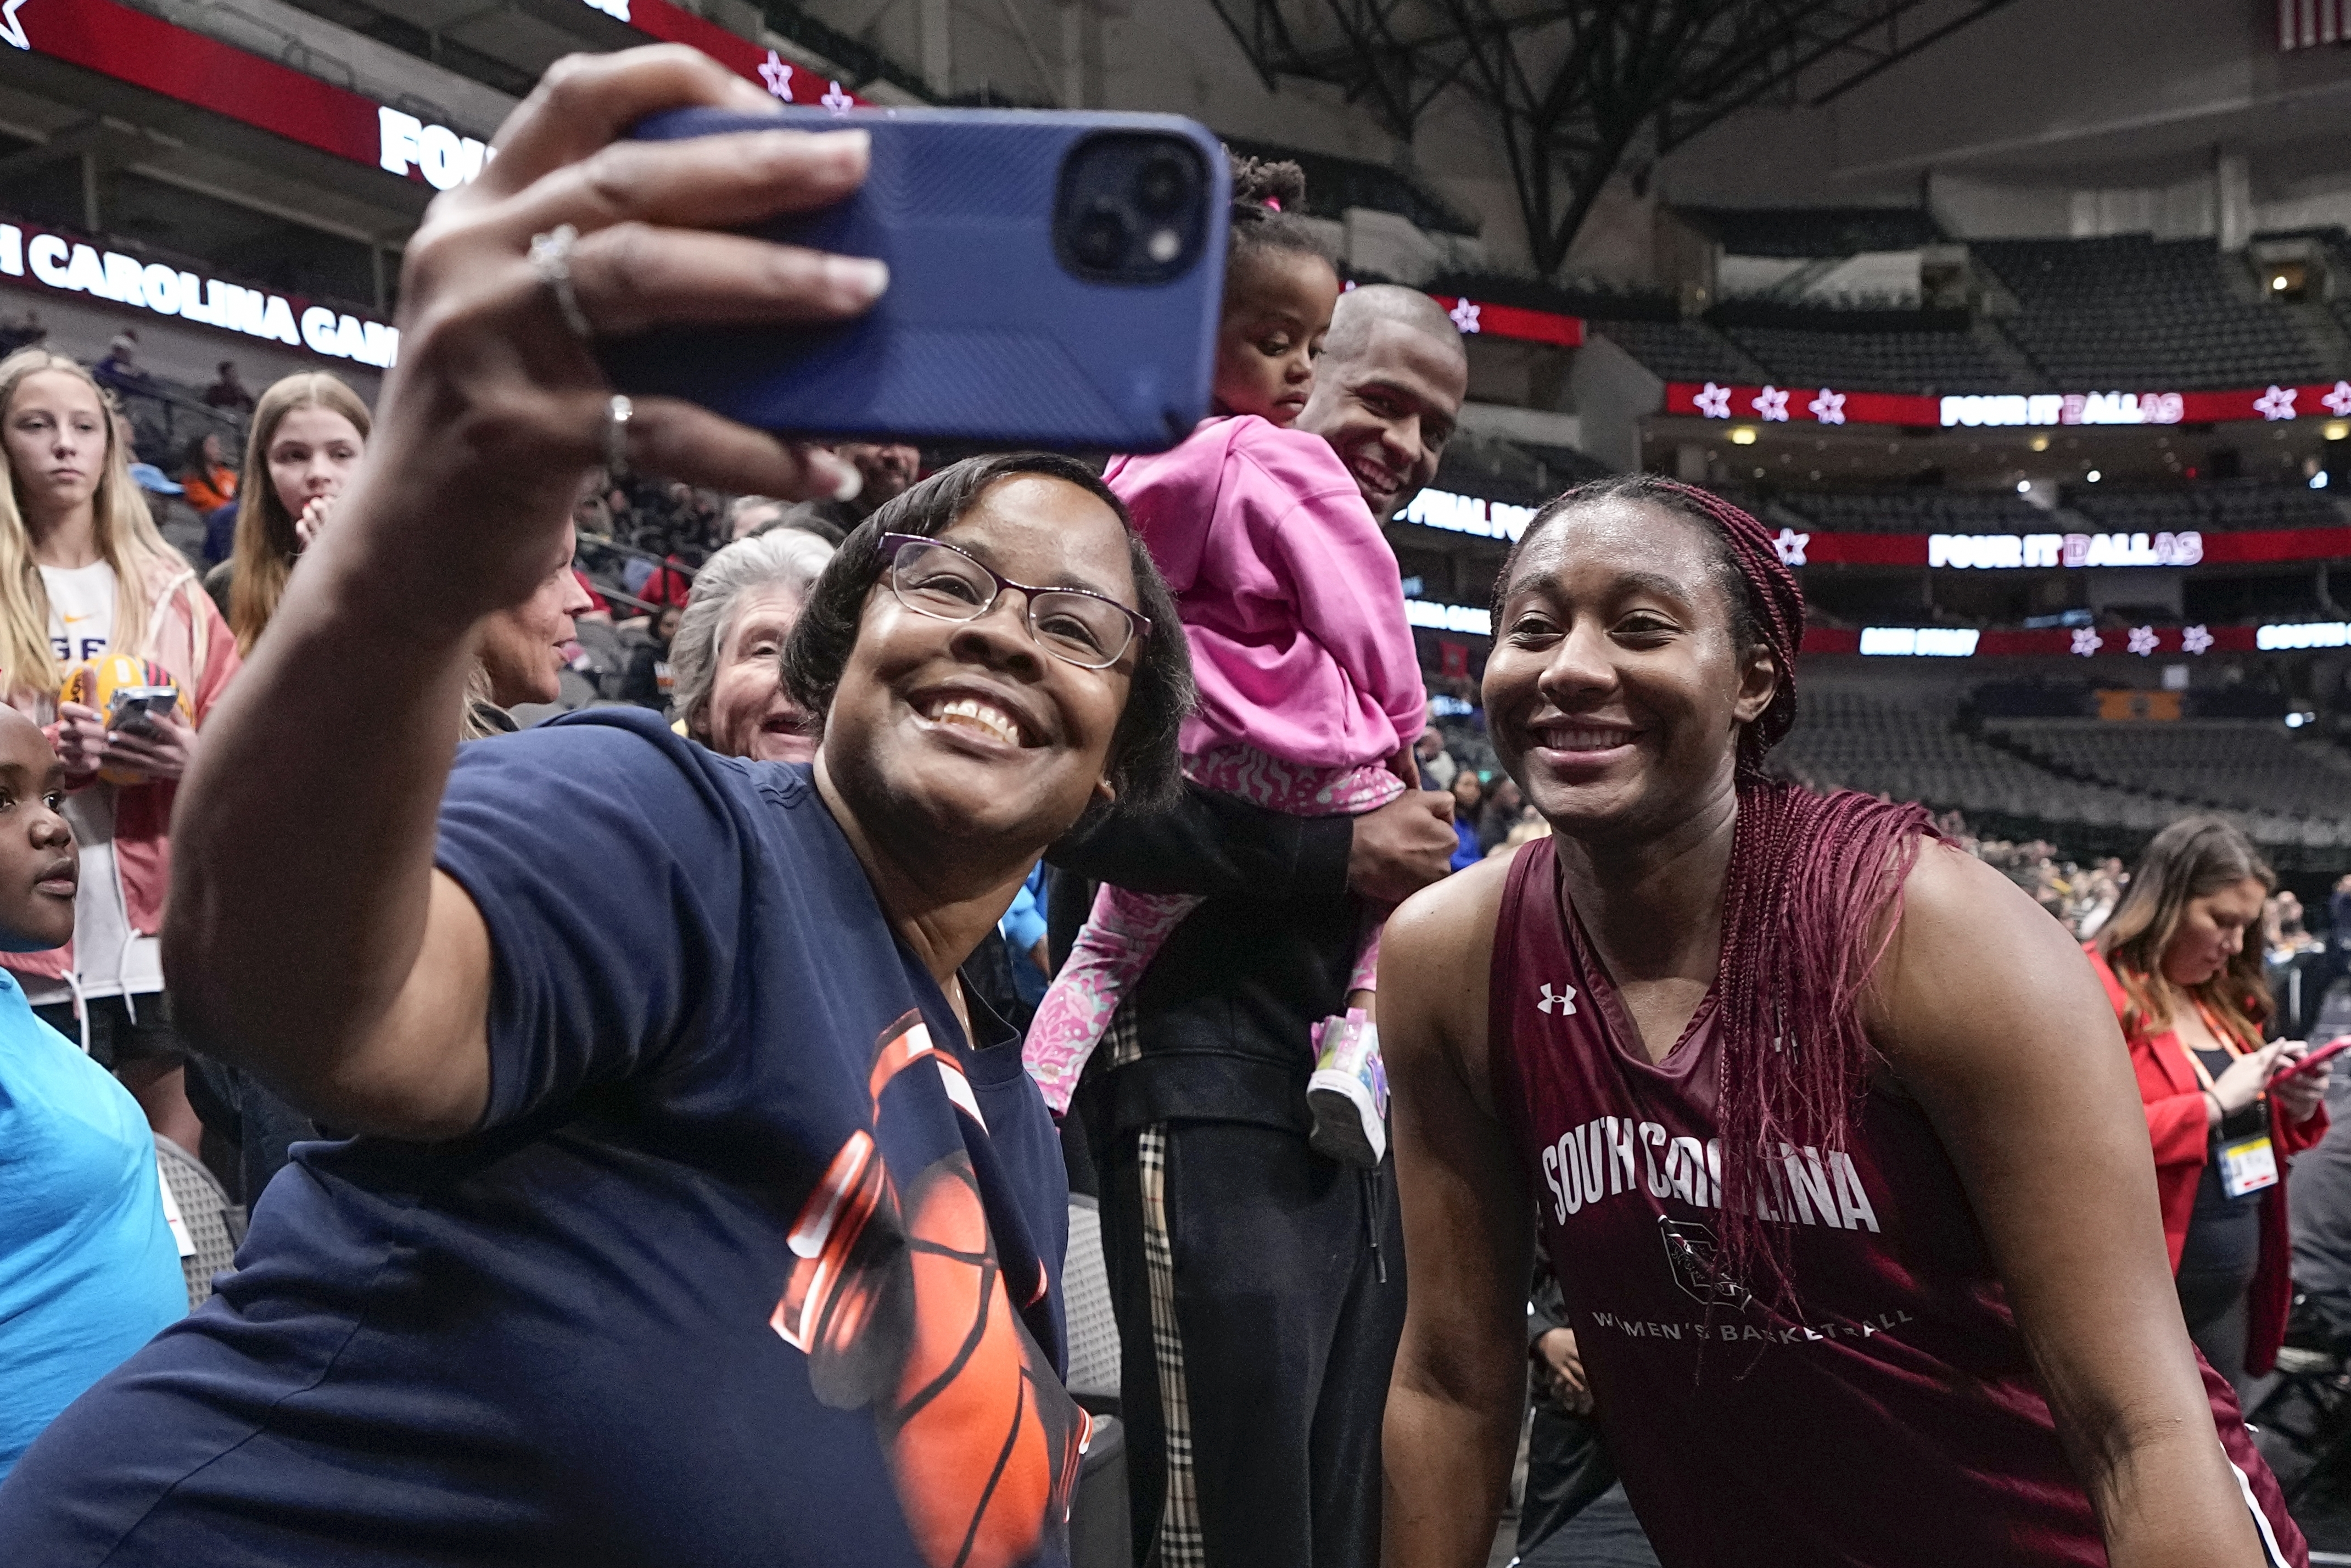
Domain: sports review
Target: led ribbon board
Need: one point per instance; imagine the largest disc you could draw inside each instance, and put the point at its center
(193, 69)
(59, 262)
(1825, 405)
(2078, 641)
(2006, 552)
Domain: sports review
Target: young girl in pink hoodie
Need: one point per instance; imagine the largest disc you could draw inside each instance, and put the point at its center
(1311, 696)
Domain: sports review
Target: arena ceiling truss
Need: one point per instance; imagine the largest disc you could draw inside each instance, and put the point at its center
(1576, 90)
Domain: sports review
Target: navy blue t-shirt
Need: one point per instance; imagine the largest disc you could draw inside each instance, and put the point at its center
(743, 1265)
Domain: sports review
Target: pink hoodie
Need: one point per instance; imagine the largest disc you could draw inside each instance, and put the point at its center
(1291, 596)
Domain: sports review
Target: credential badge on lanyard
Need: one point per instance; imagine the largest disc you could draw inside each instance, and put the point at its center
(2247, 1165)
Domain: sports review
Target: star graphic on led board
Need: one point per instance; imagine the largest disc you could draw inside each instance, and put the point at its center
(1714, 402)
(1791, 545)
(1829, 407)
(2276, 403)
(1772, 403)
(2195, 639)
(12, 29)
(778, 76)
(2142, 640)
(2087, 642)
(1465, 315)
(835, 100)
(2339, 399)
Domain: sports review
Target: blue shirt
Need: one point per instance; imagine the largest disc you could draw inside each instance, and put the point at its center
(744, 1265)
(89, 1271)
(1466, 852)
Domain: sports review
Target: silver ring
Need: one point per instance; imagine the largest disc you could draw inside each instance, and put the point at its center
(551, 257)
(617, 414)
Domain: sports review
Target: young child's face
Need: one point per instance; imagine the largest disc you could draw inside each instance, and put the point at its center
(38, 869)
(1278, 306)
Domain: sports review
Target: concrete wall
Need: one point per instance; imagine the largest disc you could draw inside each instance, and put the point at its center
(1611, 393)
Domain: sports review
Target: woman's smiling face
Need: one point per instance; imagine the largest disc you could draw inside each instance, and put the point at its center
(969, 730)
(1617, 687)
(747, 714)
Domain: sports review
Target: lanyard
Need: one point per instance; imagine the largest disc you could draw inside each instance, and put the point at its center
(2228, 1042)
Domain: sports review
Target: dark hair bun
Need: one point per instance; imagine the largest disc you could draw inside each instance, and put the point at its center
(1262, 183)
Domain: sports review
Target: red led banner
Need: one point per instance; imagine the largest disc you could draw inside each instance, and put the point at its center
(145, 51)
(132, 46)
(791, 82)
(2080, 642)
(2248, 547)
(1482, 319)
(1825, 405)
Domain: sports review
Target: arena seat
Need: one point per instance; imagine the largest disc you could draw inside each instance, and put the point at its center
(1918, 511)
(2135, 311)
(1894, 361)
(1094, 1379)
(2217, 507)
(1807, 232)
(1682, 350)
(212, 1223)
(1909, 750)
(2295, 791)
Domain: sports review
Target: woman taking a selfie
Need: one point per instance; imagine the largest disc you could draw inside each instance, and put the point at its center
(701, 1216)
(2225, 1113)
(84, 572)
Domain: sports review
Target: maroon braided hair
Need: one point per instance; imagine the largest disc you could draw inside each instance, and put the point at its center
(1811, 902)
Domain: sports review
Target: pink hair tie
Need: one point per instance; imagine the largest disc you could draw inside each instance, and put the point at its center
(1273, 203)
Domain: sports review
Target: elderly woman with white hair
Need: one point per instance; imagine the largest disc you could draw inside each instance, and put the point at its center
(727, 653)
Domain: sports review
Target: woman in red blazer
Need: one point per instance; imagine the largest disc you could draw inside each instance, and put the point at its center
(2191, 997)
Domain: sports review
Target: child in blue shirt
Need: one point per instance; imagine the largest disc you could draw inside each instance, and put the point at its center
(89, 1271)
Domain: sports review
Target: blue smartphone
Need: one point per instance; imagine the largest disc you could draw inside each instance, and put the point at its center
(1055, 281)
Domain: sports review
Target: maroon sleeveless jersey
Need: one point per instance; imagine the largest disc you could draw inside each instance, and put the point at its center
(1888, 1417)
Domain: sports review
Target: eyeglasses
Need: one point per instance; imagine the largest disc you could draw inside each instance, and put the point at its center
(1079, 627)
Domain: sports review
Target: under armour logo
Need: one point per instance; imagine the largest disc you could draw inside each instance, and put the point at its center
(1564, 1001)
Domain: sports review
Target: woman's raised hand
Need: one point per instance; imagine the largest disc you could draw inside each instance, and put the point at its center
(2298, 1095)
(313, 519)
(497, 404)
(2245, 1079)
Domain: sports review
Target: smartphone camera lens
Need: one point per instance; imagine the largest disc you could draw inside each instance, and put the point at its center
(1100, 242)
(1132, 210)
(1162, 185)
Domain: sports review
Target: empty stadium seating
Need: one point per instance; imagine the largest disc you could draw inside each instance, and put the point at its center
(2245, 764)
(1682, 350)
(1894, 361)
(1797, 232)
(2133, 311)
(1919, 511)
(2216, 508)
(2287, 794)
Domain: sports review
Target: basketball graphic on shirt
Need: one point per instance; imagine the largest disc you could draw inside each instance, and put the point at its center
(968, 1444)
(899, 1302)
(93, 684)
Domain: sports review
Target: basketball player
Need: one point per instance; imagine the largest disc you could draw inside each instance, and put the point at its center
(1828, 1129)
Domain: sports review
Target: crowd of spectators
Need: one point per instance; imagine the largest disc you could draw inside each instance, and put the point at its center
(663, 596)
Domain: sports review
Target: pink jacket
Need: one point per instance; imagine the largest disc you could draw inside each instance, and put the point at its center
(1291, 596)
(186, 635)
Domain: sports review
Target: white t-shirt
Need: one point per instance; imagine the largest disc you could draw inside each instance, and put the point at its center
(109, 960)
(81, 610)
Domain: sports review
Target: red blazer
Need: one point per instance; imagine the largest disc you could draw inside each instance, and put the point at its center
(2181, 1129)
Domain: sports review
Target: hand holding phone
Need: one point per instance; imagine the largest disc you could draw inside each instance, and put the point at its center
(1055, 280)
(2311, 1061)
(133, 710)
